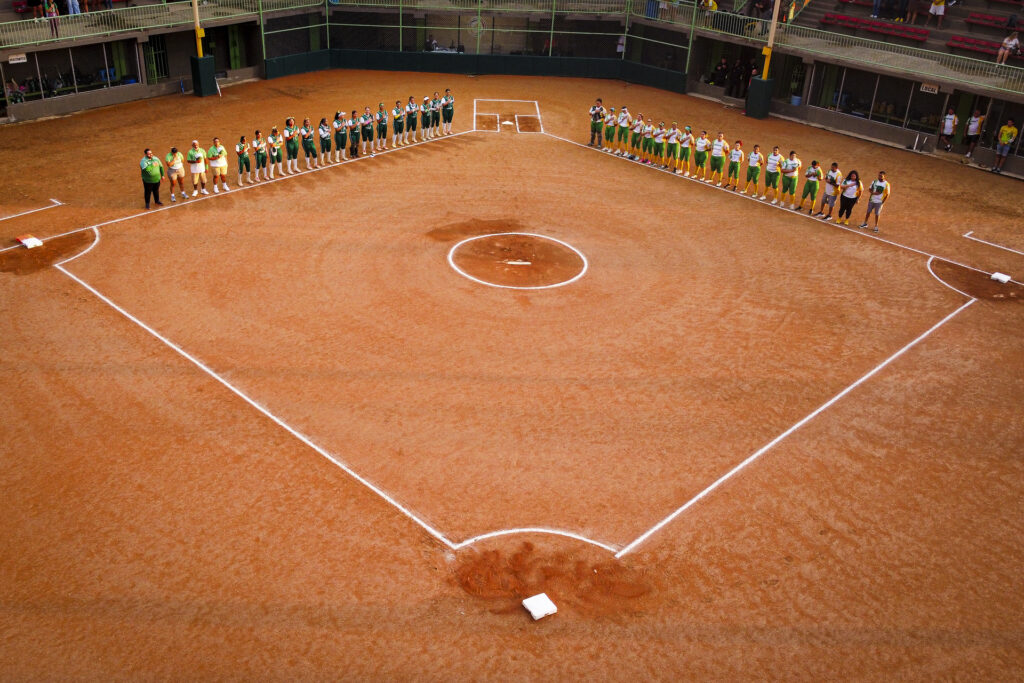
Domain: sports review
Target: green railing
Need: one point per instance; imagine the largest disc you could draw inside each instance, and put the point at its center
(909, 61)
(140, 18)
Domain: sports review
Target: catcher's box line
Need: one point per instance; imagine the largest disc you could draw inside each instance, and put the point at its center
(262, 183)
(799, 214)
(991, 244)
(54, 203)
(778, 439)
(423, 524)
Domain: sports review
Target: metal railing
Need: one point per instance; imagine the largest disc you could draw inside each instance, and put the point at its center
(909, 61)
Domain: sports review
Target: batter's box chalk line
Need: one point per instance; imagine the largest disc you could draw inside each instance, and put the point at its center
(618, 550)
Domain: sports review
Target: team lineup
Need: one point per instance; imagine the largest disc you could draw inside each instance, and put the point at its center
(716, 161)
(347, 137)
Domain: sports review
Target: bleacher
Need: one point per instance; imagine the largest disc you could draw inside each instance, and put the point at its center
(986, 20)
(979, 46)
(885, 28)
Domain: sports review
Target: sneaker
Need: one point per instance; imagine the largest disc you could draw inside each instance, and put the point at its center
(967, 156)
(159, 203)
(763, 197)
(775, 201)
(828, 218)
(949, 147)
(875, 229)
(195, 192)
(216, 190)
(173, 198)
(203, 191)
(792, 207)
(183, 195)
(743, 191)
(226, 188)
(686, 175)
(863, 225)
(720, 184)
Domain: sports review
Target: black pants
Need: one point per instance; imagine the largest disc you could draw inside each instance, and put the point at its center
(846, 205)
(151, 189)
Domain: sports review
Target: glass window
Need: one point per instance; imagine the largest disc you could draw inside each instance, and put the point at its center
(925, 110)
(891, 100)
(825, 87)
(89, 67)
(858, 91)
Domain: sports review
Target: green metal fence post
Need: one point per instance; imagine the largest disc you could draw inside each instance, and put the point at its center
(327, 22)
(551, 36)
(479, 24)
(625, 30)
(689, 46)
(401, 28)
(263, 33)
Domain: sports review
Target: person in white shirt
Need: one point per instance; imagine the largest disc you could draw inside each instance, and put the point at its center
(771, 175)
(832, 180)
(878, 192)
(947, 129)
(1010, 46)
(973, 132)
(850, 190)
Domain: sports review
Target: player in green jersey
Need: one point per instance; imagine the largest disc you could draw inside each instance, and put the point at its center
(218, 158)
(410, 120)
(435, 115)
(755, 160)
(381, 119)
(308, 135)
(291, 145)
(686, 142)
(176, 171)
(812, 181)
(324, 131)
(398, 124)
(259, 148)
(732, 177)
(425, 119)
(447, 111)
(244, 162)
(366, 130)
(274, 143)
(340, 136)
(353, 135)
(790, 177)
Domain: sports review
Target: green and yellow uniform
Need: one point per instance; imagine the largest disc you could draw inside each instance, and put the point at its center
(790, 169)
(812, 181)
(672, 143)
(609, 127)
(291, 142)
(624, 120)
(596, 118)
(771, 171)
(735, 158)
(719, 149)
(658, 144)
(754, 161)
(700, 151)
(325, 137)
(638, 131)
(648, 138)
(398, 120)
(366, 127)
(685, 143)
(381, 117)
(152, 172)
(425, 114)
(175, 165)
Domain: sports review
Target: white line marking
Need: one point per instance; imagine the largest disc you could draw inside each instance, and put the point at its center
(517, 263)
(262, 183)
(796, 213)
(95, 241)
(771, 444)
(929, 265)
(535, 530)
(497, 123)
(992, 244)
(451, 261)
(53, 204)
(278, 421)
(484, 99)
(529, 132)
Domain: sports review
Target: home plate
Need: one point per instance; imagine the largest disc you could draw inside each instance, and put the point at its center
(539, 606)
(507, 123)
(1001, 277)
(29, 241)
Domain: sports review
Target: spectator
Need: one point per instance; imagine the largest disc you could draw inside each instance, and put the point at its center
(947, 129)
(718, 76)
(749, 73)
(973, 132)
(937, 9)
(901, 11)
(709, 7)
(73, 7)
(54, 16)
(152, 174)
(1010, 46)
(1004, 140)
(876, 9)
(917, 7)
(37, 9)
(734, 80)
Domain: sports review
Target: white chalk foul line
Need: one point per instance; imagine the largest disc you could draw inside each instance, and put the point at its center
(991, 244)
(778, 439)
(262, 183)
(796, 213)
(278, 421)
(54, 203)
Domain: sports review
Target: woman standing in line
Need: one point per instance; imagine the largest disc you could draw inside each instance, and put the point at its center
(324, 129)
(259, 148)
(242, 150)
(340, 136)
(849, 194)
(353, 136)
(274, 143)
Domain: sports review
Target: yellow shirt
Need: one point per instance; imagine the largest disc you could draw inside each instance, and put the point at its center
(1007, 134)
